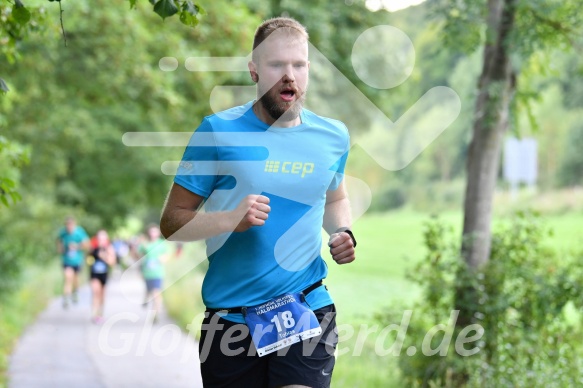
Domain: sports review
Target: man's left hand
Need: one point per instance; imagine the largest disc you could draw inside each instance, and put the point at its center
(341, 248)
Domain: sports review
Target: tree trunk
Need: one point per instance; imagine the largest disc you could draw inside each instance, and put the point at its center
(496, 88)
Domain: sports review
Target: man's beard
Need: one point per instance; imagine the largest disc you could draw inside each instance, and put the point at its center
(284, 111)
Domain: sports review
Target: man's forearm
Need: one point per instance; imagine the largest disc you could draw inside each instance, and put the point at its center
(189, 225)
(337, 214)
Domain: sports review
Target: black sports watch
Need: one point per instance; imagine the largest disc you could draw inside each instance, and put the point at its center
(349, 232)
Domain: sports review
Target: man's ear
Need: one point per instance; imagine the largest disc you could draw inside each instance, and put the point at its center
(253, 71)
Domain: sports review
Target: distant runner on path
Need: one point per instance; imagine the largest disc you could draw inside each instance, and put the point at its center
(102, 258)
(153, 253)
(72, 243)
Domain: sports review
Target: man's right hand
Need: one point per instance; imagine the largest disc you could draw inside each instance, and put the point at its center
(253, 210)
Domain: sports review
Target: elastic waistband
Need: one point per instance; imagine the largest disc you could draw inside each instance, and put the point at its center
(238, 310)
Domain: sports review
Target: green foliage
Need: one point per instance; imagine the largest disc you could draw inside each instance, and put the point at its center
(17, 23)
(519, 299)
(99, 90)
(571, 81)
(13, 157)
(391, 197)
(463, 22)
(20, 13)
(72, 105)
(543, 25)
(185, 278)
(539, 25)
(167, 100)
(571, 170)
(10, 267)
(165, 8)
(25, 238)
(13, 259)
(189, 12)
(556, 124)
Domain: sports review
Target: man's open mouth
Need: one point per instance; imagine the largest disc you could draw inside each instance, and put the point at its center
(287, 95)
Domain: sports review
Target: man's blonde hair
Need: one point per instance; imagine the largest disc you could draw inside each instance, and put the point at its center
(288, 25)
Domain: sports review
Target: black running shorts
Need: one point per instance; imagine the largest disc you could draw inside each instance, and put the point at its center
(75, 268)
(228, 358)
(102, 277)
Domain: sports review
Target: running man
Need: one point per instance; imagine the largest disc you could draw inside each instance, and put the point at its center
(72, 243)
(101, 259)
(270, 176)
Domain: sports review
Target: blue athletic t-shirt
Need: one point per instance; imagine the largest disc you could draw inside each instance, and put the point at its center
(72, 256)
(233, 154)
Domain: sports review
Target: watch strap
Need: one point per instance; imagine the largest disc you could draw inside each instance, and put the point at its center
(349, 232)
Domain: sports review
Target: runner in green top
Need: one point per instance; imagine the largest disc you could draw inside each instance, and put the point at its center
(72, 243)
(153, 254)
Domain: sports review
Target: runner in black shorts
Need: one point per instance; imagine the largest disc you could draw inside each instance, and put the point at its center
(72, 243)
(102, 257)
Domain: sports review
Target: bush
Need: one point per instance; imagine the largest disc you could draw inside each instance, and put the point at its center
(184, 277)
(10, 268)
(519, 299)
(389, 198)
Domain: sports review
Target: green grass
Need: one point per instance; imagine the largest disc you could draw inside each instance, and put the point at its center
(18, 310)
(567, 231)
(389, 245)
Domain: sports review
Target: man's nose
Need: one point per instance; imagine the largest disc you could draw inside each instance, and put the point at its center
(288, 75)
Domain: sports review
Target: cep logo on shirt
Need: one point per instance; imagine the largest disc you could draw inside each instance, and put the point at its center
(289, 167)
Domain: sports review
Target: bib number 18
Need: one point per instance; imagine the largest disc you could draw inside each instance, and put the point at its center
(293, 320)
(286, 318)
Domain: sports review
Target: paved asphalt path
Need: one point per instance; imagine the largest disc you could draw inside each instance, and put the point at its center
(64, 349)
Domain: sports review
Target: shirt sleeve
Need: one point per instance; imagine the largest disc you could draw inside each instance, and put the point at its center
(198, 169)
(82, 234)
